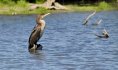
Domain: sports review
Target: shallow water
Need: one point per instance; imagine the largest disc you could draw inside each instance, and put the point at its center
(67, 44)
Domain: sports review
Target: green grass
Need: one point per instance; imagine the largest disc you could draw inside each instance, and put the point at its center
(22, 7)
(22, 10)
(81, 8)
(40, 1)
(102, 6)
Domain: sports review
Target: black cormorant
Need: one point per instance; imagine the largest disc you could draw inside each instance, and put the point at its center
(37, 33)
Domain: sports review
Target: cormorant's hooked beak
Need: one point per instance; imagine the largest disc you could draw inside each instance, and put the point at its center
(45, 15)
(39, 17)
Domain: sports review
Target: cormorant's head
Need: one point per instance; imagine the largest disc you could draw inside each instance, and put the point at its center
(40, 17)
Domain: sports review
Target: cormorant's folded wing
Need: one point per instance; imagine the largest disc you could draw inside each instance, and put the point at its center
(35, 35)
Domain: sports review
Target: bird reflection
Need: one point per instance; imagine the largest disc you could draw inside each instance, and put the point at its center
(37, 54)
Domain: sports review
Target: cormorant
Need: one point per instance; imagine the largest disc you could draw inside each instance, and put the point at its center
(37, 33)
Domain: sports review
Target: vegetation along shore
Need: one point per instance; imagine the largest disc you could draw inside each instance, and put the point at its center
(38, 6)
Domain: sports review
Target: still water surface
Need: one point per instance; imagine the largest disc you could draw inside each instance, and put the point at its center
(67, 44)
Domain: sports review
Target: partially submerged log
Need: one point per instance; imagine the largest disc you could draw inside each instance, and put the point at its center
(88, 17)
(49, 4)
(104, 34)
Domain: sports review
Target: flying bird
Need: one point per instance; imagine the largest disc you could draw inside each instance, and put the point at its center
(37, 32)
(87, 18)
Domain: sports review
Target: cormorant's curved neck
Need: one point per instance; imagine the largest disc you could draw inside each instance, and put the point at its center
(40, 22)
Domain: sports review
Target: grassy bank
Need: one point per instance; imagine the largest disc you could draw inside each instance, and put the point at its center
(22, 7)
(103, 6)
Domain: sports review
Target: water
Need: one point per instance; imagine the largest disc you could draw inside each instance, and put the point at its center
(67, 44)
